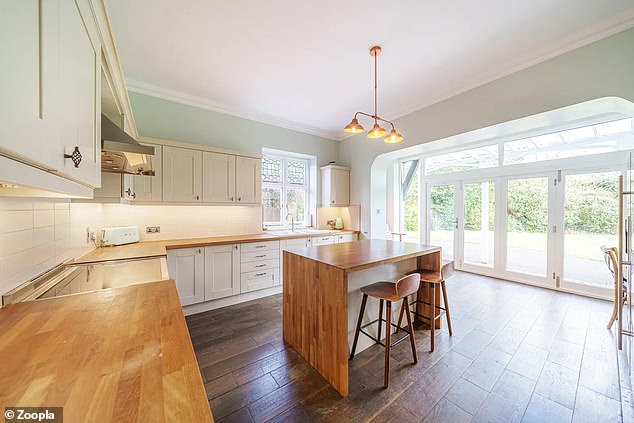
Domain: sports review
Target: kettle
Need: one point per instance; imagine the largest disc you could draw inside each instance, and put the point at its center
(338, 223)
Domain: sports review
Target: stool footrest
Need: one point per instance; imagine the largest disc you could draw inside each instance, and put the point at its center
(378, 341)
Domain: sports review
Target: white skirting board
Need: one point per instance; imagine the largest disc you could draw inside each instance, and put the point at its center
(228, 301)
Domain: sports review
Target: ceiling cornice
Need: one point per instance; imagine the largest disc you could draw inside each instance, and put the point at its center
(203, 103)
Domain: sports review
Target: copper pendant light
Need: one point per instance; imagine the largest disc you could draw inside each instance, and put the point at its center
(377, 130)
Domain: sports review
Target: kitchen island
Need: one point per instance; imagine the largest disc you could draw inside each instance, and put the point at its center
(321, 296)
(121, 354)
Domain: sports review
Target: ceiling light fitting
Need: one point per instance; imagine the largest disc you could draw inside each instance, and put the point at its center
(377, 130)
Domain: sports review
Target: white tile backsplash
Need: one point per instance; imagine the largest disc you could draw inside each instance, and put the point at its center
(37, 234)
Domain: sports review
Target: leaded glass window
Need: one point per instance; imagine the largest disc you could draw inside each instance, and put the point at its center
(296, 172)
(271, 169)
(284, 190)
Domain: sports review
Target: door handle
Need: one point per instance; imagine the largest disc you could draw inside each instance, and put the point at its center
(455, 222)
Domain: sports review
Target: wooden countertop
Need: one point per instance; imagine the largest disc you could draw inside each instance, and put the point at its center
(120, 354)
(159, 248)
(351, 256)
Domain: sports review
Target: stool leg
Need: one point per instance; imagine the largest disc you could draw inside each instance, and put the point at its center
(388, 315)
(444, 299)
(378, 336)
(356, 334)
(400, 316)
(432, 322)
(410, 327)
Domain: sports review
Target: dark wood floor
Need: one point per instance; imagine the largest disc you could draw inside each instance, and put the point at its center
(518, 353)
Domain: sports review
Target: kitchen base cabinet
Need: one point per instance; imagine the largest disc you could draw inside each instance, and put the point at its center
(187, 267)
(260, 265)
(222, 267)
(260, 279)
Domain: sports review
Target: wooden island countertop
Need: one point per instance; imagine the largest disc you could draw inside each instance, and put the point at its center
(321, 296)
(353, 256)
(114, 355)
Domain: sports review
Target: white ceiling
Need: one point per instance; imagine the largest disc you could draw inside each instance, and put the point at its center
(305, 65)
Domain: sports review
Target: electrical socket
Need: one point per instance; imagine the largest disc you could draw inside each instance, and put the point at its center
(90, 235)
(152, 229)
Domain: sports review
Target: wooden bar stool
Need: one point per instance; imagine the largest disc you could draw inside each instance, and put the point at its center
(388, 292)
(434, 278)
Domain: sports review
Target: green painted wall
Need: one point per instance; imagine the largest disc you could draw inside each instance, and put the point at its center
(159, 118)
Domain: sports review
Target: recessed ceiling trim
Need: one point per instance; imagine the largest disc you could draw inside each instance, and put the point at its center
(180, 97)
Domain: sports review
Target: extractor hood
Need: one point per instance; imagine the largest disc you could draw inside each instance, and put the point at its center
(120, 153)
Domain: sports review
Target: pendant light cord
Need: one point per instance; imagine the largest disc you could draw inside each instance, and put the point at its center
(376, 113)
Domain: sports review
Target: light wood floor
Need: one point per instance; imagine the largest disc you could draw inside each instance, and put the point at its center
(518, 353)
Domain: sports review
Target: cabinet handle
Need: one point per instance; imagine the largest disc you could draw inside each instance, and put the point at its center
(260, 274)
(231, 198)
(260, 246)
(134, 195)
(235, 246)
(197, 197)
(261, 265)
(263, 255)
(75, 156)
(332, 202)
(199, 251)
(239, 198)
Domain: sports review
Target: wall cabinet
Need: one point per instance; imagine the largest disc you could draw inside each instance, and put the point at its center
(248, 180)
(182, 174)
(219, 178)
(148, 188)
(335, 186)
(187, 267)
(51, 86)
(222, 271)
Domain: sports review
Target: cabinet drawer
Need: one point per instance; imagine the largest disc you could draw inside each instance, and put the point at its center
(296, 243)
(346, 238)
(262, 279)
(259, 255)
(260, 246)
(253, 266)
(323, 240)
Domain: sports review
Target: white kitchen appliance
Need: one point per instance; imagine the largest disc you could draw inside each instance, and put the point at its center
(119, 235)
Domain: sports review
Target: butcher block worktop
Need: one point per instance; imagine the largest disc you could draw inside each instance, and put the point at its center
(360, 255)
(113, 355)
(159, 248)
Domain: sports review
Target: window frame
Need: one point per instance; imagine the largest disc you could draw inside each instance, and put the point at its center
(284, 185)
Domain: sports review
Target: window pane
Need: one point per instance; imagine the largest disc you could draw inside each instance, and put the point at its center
(595, 139)
(296, 172)
(591, 215)
(271, 205)
(527, 217)
(411, 205)
(479, 223)
(443, 219)
(271, 169)
(475, 158)
(296, 202)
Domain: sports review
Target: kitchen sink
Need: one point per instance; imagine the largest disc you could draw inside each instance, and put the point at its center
(315, 231)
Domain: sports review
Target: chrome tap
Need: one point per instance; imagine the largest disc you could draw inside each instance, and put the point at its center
(292, 221)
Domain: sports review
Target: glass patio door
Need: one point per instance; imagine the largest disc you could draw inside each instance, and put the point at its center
(443, 218)
(529, 231)
(589, 201)
(478, 224)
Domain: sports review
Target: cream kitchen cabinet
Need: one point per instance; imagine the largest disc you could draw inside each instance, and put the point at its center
(335, 186)
(182, 174)
(324, 240)
(148, 188)
(187, 267)
(248, 180)
(219, 177)
(51, 86)
(259, 265)
(222, 271)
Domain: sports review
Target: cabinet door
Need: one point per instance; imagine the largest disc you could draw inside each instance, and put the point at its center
(79, 101)
(219, 178)
(222, 271)
(340, 186)
(248, 180)
(323, 240)
(187, 268)
(22, 129)
(150, 188)
(182, 174)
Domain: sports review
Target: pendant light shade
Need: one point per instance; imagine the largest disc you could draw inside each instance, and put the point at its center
(354, 127)
(394, 137)
(377, 130)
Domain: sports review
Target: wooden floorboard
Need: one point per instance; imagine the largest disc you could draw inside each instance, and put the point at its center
(518, 354)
